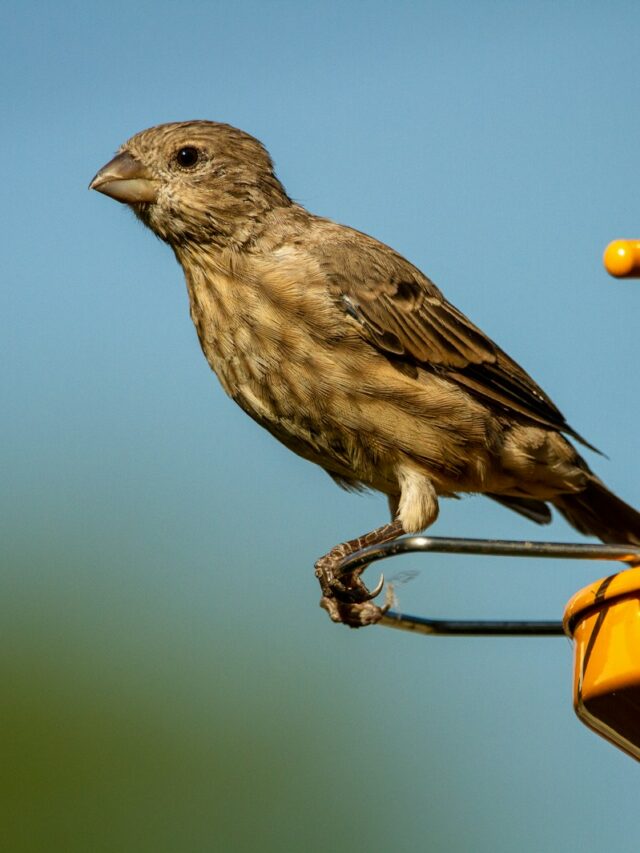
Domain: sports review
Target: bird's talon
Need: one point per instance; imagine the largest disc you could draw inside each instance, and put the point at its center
(377, 590)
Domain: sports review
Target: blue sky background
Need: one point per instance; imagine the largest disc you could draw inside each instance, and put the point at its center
(169, 682)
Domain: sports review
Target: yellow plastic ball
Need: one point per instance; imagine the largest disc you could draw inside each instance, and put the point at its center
(622, 258)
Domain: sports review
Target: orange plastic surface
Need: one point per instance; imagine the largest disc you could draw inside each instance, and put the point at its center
(622, 258)
(604, 621)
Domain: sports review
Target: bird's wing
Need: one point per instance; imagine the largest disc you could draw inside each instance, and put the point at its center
(401, 313)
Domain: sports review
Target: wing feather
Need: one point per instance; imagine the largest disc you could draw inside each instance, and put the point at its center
(402, 313)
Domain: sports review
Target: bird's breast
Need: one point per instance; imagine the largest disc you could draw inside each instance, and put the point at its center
(266, 339)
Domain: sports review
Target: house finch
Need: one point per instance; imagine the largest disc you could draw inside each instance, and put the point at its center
(348, 354)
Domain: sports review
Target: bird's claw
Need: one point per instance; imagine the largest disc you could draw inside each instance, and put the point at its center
(375, 592)
(347, 599)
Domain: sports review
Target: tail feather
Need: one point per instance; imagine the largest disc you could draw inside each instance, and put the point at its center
(595, 511)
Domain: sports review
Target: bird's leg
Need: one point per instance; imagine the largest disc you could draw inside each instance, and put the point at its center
(346, 599)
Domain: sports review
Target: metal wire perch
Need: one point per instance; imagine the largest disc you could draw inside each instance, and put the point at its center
(487, 547)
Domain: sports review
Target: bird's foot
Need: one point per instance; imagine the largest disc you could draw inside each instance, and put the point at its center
(347, 599)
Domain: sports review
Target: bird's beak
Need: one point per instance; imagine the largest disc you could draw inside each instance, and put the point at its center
(126, 179)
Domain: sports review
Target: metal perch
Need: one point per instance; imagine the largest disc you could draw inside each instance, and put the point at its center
(487, 547)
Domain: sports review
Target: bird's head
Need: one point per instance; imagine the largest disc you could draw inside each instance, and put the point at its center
(194, 182)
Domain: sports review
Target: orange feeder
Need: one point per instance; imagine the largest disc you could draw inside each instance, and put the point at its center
(604, 621)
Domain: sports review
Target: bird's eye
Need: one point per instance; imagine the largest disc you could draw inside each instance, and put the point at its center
(187, 157)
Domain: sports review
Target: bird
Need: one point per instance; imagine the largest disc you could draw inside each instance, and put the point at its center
(348, 354)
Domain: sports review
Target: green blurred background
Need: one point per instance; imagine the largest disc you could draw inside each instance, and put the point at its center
(167, 680)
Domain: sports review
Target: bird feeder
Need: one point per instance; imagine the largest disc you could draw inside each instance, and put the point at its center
(603, 620)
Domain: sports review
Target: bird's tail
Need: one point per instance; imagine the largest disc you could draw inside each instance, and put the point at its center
(596, 511)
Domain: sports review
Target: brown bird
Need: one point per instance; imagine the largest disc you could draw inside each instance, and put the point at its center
(348, 354)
